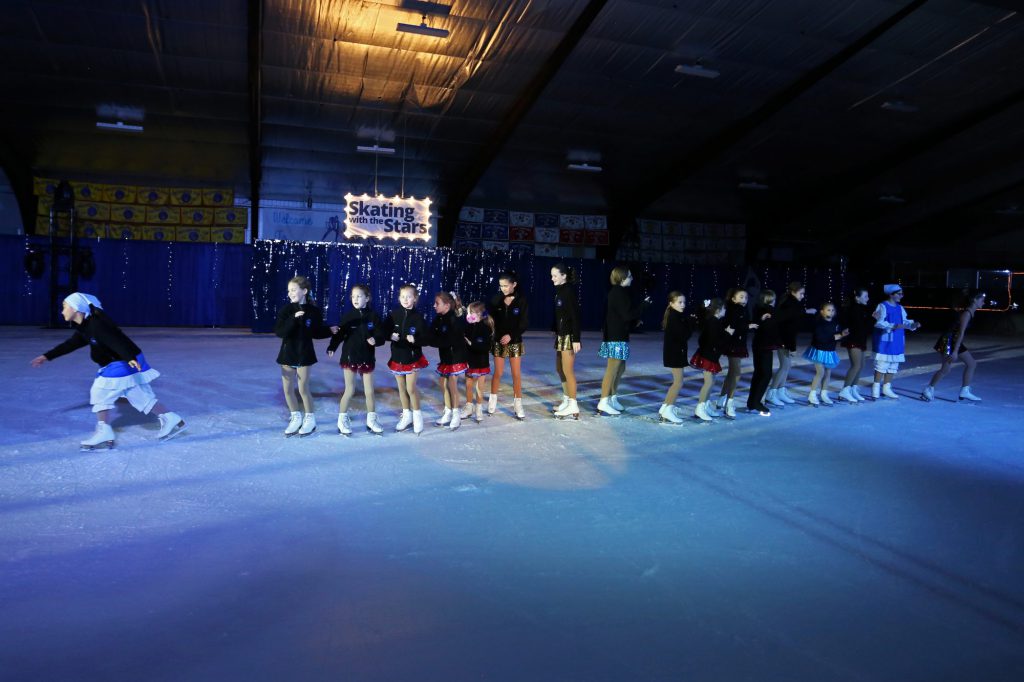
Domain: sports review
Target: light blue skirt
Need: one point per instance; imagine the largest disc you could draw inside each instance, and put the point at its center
(617, 350)
(827, 358)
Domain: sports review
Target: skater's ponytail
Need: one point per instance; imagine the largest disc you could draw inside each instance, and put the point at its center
(673, 295)
(570, 276)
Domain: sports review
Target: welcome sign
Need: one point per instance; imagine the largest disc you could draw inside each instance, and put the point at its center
(381, 217)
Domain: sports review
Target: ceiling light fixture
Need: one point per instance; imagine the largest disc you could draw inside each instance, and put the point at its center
(426, 8)
(375, 149)
(900, 106)
(752, 184)
(891, 199)
(422, 29)
(120, 125)
(698, 70)
(585, 167)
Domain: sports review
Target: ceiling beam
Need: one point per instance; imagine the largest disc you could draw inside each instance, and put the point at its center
(464, 182)
(255, 30)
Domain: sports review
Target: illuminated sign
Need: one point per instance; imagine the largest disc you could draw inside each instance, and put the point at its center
(405, 218)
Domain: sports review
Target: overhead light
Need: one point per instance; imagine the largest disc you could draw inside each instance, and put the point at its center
(698, 70)
(900, 106)
(585, 167)
(891, 199)
(752, 184)
(422, 29)
(120, 125)
(375, 149)
(426, 8)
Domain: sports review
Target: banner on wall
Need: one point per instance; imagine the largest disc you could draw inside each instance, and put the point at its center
(302, 225)
(380, 217)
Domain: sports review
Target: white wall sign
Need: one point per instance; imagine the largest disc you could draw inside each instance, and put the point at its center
(383, 217)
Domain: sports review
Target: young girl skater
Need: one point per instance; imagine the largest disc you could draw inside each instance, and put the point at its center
(620, 316)
(788, 316)
(951, 348)
(709, 350)
(859, 321)
(361, 332)
(567, 338)
(766, 343)
(123, 373)
(447, 333)
(509, 312)
(891, 323)
(737, 319)
(479, 335)
(674, 352)
(298, 323)
(407, 326)
(822, 352)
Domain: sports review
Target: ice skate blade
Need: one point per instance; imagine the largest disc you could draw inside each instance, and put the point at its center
(304, 435)
(105, 445)
(662, 420)
(568, 417)
(177, 429)
(376, 433)
(342, 433)
(606, 415)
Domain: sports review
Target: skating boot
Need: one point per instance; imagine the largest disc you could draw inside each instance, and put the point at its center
(928, 394)
(492, 403)
(701, 412)
(171, 424)
(417, 421)
(847, 394)
(784, 396)
(760, 409)
(467, 411)
(570, 411)
(294, 424)
(855, 389)
(517, 407)
(965, 394)
(344, 424)
(308, 424)
(561, 406)
(812, 398)
(709, 407)
(604, 407)
(888, 392)
(405, 421)
(103, 438)
(876, 391)
(456, 421)
(372, 425)
(773, 398)
(668, 414)
(445, 418)
(720, 403)
(479, 417)
(613, 400)
(825, 400)
(730, 409)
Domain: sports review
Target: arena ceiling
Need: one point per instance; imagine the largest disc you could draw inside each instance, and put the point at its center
(828, 121)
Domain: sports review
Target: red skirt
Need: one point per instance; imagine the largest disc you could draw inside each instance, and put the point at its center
(358, 367)
(452, 370)
(737, 352)
(705, 365)
(399, 368)
(478, 371)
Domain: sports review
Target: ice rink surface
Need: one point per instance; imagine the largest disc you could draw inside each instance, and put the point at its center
(872, 542)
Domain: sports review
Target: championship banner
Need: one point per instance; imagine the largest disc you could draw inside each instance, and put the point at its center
(197, 216)
(218, 197)
(44, 187)
(88, 191)
(163, 215)
(152, 196)
(159, 233)
(119, 194)
(127, 214)
(231, 216)
(380, 217)
(192, 234)
(91, 230)
(228, 235)
(92, 211)
(184, 196)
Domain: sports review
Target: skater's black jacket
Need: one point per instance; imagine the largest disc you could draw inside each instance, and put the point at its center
(825, 332)
(567, 312)
(620, 314)
(677, 336)
(297, 334)
(788, 317)
(509, 319)
(858, 319)
(480, 339)
(448, 335)
(767, 333)
(406, 323)
(712, 337)
(107, 343)
(355, 328)
(737, 318)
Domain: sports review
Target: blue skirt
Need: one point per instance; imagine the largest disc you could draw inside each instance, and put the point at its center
(827, 358)
(617, 350)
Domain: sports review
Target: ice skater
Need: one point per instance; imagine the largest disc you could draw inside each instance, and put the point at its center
(788, 315)
(479, 336)
(822, 352)
(765, 344)
(509, 310)
(567, 338)
(359, 333)
(621, 315)
(298, 323)
(951, 348)
(709, 350)
(123, 373)
(891, 323)
(407, 326)
(858, 319)
(737, 319)
(448, 334)
(676, 325)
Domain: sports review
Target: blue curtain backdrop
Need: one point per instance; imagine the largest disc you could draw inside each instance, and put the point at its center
(140, 283)
(334, 268)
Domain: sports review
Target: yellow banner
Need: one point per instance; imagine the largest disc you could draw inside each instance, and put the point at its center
(163, 215)
(227, 235)
(184, 196)
(44, 186)
(91, 230)
(124, 232)
(43, 225)
(153, 196)
(236, 215)
(43, 205)
(88, 191)
(126, 213)
(218, 197)
(193, 234)
(92, 211)
(159, 233)
(119, 194)
(197, 216)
